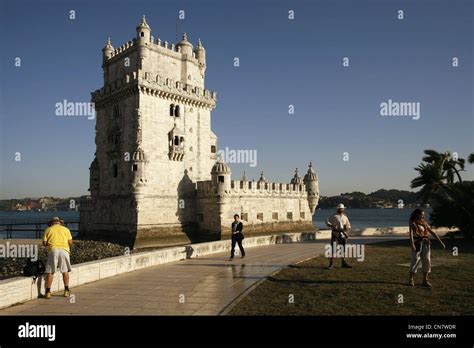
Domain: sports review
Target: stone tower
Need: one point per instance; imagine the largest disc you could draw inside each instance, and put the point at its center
(153, 141)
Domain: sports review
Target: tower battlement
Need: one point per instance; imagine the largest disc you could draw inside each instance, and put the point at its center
(179, 61)
(171, 48)
(239, 187)
(160, 86)
(117, 51)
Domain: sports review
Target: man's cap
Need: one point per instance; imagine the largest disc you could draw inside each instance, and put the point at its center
(55, 219)
(340, 206)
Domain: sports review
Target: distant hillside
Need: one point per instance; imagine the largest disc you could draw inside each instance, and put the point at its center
(377, 199)
(35, 204)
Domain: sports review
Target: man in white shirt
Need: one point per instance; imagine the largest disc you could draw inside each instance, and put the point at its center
(340, 226)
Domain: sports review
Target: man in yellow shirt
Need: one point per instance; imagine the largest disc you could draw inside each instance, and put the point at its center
(58, 239)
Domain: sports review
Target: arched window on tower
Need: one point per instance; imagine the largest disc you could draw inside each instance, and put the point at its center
(174, 110)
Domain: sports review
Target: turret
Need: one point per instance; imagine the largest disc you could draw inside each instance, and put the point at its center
(138, 170)
(186, 46)
(107, 51)
(262, 179)
(143, 39)
(143, 32)
(220, 176)
(201, 57)
(296, 179)
(312, 187)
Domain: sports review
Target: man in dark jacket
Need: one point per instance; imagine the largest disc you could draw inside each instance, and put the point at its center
(237, 236)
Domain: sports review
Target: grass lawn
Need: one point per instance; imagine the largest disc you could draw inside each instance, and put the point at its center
(372, 287)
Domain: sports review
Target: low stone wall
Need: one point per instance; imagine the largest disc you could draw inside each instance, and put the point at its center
(21, 289)
(271, 227)
(399, 230)
(200, 249)
(384, 231)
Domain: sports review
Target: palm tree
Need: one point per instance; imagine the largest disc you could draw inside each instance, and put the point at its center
(455, 208)
(432, 179)
(449, 162)
(453, 202)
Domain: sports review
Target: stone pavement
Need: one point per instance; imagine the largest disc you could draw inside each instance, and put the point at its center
(198, 286)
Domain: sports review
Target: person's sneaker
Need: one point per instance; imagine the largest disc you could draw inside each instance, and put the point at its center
(330, 266)
(67, 293)
(231, 259)
(345, 265)
(411, 282)
(243, 257)
(47, 295)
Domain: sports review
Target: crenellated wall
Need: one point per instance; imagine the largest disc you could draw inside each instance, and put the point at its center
(239, 186)
(262, 206)
(254, 187)
(157, 44)
(159, 86)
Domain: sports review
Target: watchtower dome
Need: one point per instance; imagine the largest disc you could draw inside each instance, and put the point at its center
(143, 32)
(312, 187)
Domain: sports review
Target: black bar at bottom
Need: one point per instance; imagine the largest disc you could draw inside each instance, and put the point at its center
(135, 330)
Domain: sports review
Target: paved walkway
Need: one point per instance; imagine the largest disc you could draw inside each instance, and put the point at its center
(199, 286)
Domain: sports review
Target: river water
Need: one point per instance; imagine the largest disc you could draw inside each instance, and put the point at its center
(364, 218)
(359, 218)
